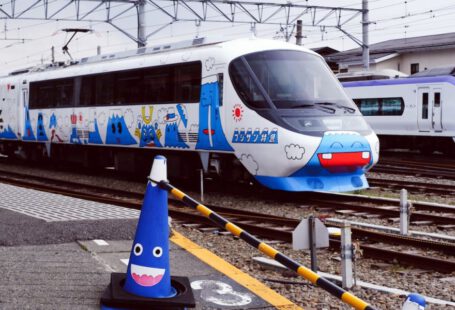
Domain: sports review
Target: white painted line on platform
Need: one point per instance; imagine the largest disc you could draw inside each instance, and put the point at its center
(125, 261)
(100, 242)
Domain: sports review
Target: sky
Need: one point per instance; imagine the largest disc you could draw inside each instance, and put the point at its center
(28, 42)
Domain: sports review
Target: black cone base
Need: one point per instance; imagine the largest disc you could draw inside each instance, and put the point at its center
(114, 296)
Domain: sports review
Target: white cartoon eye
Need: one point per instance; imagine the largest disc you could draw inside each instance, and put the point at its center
(138, 249)
(157, 251)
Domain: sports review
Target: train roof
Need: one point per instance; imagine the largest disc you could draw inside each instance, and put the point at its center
(403, 81)
(237, 46)
(369, 75)
(449, 70)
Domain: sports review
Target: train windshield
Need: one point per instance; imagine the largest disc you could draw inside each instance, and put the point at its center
(288, 80)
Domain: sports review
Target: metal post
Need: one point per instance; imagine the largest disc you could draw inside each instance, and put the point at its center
(312, 234)
(346, 256)
(141, 24)
(53, 54)
(404, 212)
(298, 34)
(365, 46)
(98, 50)
(202, 185)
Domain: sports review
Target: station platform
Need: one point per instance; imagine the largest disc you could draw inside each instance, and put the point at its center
(58, 252)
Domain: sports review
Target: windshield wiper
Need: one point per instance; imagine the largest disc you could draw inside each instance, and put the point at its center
(306, 105)
(311, 105)
(349, 109)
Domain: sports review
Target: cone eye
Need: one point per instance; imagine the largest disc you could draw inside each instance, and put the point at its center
(138, 249)
(157, 251)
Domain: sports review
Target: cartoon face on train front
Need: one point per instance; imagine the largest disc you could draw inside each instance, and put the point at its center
(343, 152)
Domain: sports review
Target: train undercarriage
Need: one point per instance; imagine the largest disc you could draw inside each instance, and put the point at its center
(181, 164)
(423, 144)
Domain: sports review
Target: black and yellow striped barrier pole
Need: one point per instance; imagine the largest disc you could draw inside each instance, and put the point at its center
(313, 277)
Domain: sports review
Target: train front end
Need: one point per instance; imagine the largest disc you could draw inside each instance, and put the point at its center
(292, 125)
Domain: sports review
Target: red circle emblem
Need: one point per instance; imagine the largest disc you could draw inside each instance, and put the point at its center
(237, 112)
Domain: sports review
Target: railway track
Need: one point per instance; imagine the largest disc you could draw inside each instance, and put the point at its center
(413, 186)
(433, 167)
(265, 226)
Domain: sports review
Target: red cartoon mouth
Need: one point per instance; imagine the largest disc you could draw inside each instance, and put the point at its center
(340, 162)
(146, 280)
(146, 276)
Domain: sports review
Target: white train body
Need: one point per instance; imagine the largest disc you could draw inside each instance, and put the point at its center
(198, 110)
(413, 112)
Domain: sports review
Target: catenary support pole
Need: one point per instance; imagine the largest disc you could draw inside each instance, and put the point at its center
(298, 34)
(141, 24)
(365, 46)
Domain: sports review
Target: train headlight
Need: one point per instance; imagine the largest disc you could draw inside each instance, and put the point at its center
(365, 155)
(327, 156)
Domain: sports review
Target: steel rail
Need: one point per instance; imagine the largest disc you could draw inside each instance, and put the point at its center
(413, 186)
(386, 211)
(262, 227)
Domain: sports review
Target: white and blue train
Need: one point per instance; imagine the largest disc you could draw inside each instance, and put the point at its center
(269, 108)
(414, 112)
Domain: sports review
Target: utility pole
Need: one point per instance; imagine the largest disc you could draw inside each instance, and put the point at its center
(365, 43)
(298, 34)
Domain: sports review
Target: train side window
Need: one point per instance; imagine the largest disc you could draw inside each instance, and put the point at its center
(369, 107)
(188, 82)
(64, 93)
(437, 100)
(34, 96)
(46, 95)
(158, 85)
(87, 92)
(105, 85)
(392, 106)
(424, 105)
(129, 88)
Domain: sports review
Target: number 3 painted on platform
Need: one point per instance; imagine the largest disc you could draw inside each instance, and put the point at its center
(221, 293)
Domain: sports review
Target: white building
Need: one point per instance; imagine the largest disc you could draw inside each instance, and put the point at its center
(409, 55)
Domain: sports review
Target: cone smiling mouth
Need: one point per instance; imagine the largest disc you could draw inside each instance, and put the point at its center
(146, 276)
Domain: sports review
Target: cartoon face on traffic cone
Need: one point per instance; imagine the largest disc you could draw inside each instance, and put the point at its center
(148, 273)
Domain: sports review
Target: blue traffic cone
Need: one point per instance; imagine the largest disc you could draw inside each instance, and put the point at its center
(414, 302)
(148, 282)
(148, 273)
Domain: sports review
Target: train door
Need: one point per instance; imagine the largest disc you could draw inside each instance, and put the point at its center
(437, 107)
(23, 113)
(9, 117)
(424, 114)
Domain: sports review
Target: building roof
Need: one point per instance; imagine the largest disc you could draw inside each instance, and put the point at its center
(324, 50)
(397, 46)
